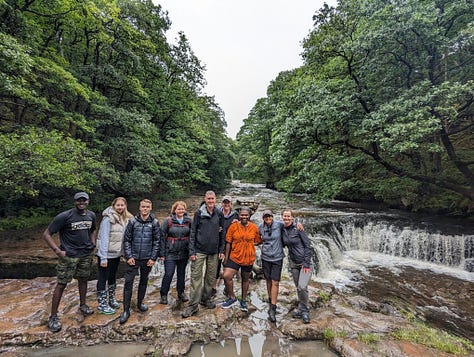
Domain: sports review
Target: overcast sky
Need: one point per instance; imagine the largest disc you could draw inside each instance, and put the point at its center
(244, 44)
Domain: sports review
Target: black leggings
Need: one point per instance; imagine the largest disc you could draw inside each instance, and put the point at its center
(107, 274)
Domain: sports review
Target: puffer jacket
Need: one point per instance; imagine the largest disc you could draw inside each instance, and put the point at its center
(142, 238)
(109, 241)
(299, 246)
(174, 241)
(206, 232)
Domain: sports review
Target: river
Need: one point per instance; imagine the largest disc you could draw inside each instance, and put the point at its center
(419, 263)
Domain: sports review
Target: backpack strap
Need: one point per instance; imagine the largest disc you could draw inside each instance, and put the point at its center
(170, 224)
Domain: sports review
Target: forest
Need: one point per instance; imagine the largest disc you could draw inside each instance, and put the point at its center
(381, 110)
(94, 97)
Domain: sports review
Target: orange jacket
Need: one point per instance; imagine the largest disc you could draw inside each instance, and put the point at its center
(243, 240)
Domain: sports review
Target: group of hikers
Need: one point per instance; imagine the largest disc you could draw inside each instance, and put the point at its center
(214, 238)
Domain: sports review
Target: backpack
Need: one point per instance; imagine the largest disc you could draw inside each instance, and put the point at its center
(170, 224)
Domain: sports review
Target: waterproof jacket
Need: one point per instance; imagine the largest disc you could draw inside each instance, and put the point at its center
(109, 241)
(228, 219)
(174, 243)
(299, 247)
(206, 232)
(141, 238)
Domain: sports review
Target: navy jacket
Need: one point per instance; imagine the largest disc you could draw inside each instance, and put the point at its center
(141, 238)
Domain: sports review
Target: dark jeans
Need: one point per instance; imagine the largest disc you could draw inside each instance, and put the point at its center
(107, 274)
(170, 266)
(130, 273)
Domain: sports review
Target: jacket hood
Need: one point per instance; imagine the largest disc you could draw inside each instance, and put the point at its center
(232, 212)
(111, 214)
(203, 210)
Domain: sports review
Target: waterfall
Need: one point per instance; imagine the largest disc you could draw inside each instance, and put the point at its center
(453, 250)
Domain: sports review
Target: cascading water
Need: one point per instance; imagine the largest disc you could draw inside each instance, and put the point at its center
(453, 250)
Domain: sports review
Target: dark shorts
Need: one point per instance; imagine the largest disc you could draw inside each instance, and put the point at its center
(233, 265)
(272, 270)
(68, 268)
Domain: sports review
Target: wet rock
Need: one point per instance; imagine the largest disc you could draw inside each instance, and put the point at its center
(25, 309)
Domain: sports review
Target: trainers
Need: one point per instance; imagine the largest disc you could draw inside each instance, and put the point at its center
(229, 302)
(243, 306)
(85, 310)
(190, 311)
(305, 318)
(54, 324)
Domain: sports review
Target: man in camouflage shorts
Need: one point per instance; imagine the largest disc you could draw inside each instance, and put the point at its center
(77, 236)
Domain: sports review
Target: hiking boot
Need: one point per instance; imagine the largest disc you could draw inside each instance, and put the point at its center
(305, 318)
(142, 307)
(208, 304)
(124, 316)
(103, 305)
(54, 324)
(85, 310)
(297, 314)
(190, 311)
(113, 303)
(183, 297)
(164, 300)
(243, 306)
(228, 303)
(272, 313)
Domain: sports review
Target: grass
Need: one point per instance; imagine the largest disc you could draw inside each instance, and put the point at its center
(330, 334)
(324, 296)
(368, 338)
(434, 338)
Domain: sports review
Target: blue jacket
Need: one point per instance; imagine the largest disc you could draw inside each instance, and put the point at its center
(141, 238)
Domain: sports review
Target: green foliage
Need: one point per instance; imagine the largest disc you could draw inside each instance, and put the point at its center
(93, 97)
(382, 108)
(35, 158)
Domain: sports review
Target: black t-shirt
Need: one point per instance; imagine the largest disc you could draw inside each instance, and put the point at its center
(74, 232)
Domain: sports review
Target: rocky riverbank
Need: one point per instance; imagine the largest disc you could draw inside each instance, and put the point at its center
(352, 325)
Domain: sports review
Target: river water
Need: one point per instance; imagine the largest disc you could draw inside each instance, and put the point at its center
(424, 262)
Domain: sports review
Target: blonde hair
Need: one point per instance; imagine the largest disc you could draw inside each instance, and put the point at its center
(125, 215)
(146, 200)
(178, 203)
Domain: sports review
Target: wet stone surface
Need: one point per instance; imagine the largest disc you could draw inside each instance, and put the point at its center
(25, 306)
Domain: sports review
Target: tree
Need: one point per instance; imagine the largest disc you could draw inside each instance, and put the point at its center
(382, 107)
